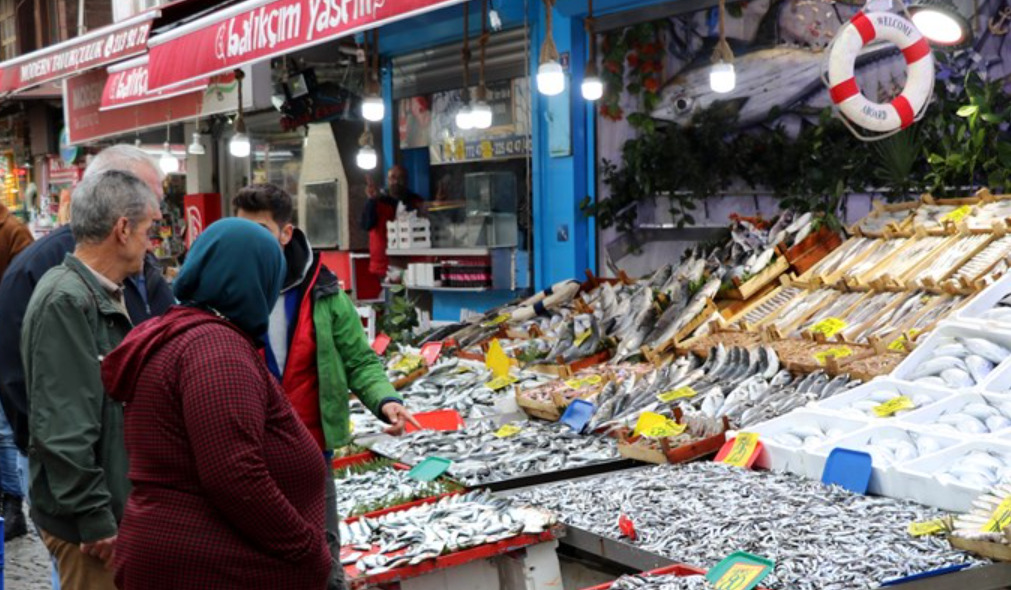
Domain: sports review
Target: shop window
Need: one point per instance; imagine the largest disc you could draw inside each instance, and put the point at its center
(321, 213)
(8, 30)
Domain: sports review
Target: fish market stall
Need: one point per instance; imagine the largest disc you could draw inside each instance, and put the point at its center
(371, 483)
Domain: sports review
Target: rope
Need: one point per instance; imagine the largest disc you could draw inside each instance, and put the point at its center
(722, 52)
(466, 51)
(375, 60)
(548, 50)
(481, 89)
(590, 24)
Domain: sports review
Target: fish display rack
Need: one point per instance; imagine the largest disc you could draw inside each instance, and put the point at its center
(751, 316)
(987, 549)
(708, 310)
(932, 272)
(865, 366)
(673, 449)
(728, 336)
(858, 276)
(742, 291)
(830, 269)
(941, 216)
(894, 218)
(356, 471)
(660, 579)
(992, 209)
(804, 356)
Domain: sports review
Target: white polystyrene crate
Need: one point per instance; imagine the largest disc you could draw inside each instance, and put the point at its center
(885, 478)
(927, 417)
(951, 329)
(999, 381)
(986, 300)
(923, 486)
(779, 457)
(843, 402)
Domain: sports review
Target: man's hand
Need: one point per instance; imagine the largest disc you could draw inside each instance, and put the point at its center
(398, 416)
(102, 549)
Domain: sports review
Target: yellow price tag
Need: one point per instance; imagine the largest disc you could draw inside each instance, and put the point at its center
(893, 405)
(958, 214)
(584, 382)
(409, 364)
(739, 576)
(498, 321)
(680, 393)
(486, 149)
(839, 353)
(668, 429)
(899, 344)
(1000, 518)
(829, 327)
(926, 528)
(496, 359)
(499, 382)
(744, 446)
(580, 339)
(508, 430)
(459, 149)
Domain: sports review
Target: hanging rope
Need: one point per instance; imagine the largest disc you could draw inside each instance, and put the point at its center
(590, 24)
(548, 50)
(375, 61)
(481, 89)
(722, 52)
(466, 52)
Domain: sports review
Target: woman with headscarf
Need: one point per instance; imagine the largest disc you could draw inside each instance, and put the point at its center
(227, 482)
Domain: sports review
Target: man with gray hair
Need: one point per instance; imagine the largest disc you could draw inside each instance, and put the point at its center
(76, 316)
(147, 295)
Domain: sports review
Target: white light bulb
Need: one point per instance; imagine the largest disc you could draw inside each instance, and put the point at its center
(373, 108)
(239, 145)
(481, 115)
(592, 88)
(722, 78)
(550, 78)
(938, 26)
(168, 163)
(367, 159)
(196, 148)
(465, 118)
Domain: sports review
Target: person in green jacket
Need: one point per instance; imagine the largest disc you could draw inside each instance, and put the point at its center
(76, 315)
(316, 346)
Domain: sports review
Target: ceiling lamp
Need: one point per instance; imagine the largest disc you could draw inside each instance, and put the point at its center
(367, 158)
(722, 78)
(940, 22)
(592, 87)
(373, 107)
(196, 148)
(239, 145)
(167, 162)
(550, 76)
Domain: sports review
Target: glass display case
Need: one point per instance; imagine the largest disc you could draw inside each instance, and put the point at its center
(486, 217)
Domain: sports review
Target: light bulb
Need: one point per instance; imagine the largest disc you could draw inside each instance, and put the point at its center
(722, 78)
(938, 26)
(465, 118)
(592, 88)
(196, 148)
(367, 159)
(239, 145)
(550, 78)
(168, 163)
(373, 108)
(481, 115)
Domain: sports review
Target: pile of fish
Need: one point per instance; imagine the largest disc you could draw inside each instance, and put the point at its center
(991, 261)
(842, 256)
(480, 455)
(895, 446)
(862, 405)
(807, 436)
(912, 256)
(1000, 312)
(987, 213)
(948, 260)
(959, 362)
(979, 523)
(932, 216)
(974, 414)
(801, 307)
(662, 582)
(883, 249)
(820, 537)
(771, 305)
(906, 307)
(836, 309)
(977, 469)
(378, 484)
(411, 536)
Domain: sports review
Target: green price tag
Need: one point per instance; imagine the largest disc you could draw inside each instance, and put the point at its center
(740, 576)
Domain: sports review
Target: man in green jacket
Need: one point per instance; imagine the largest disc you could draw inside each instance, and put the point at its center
(77, 314)
(316, 346)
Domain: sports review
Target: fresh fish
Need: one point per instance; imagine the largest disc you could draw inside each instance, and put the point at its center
(978, 367)
(378, 484)
(991, 351)
(936, 365)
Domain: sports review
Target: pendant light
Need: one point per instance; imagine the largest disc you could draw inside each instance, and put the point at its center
(722, 78)
(239, 145)
(940, 22)
(550, 76)
(592, 87)
(366, 158)
(196, 148)
(167, 162)
(464, 116)
(480, 113)
(373, 107)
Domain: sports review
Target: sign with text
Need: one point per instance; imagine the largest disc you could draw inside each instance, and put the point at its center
(127, 86)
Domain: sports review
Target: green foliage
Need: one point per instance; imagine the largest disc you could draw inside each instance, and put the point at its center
(398, 318)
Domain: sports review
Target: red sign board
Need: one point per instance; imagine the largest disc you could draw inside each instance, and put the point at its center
(98, 48)
(201, 210)
(260, 29)
(127, 86)
(62, 173)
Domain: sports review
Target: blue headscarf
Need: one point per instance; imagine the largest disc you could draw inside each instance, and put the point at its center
(236, 268)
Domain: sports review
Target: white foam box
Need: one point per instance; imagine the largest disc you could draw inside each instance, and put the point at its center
(779, 457)
(923, 487)
(843, 402)
(986, 300)
(885, 479)
(927, 417)
(998, 382)
(952, 329)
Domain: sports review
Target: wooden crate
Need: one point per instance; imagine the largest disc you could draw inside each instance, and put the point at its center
(707, 312)
(727, 336)
(827, 243)
(866, 366)
(863, 280)
(411, 378)
(859, 302)
(567, 370)
(779, 332)
(829, 279)
(743, 291)
(744, 324)
(537, 409)
(910, 280)
(633, 447)
(946, 227)
(877, 210)
(987, 549)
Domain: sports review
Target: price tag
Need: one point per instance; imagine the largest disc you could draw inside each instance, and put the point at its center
(499, 382)
(486, 149)
(584, 382)
(893, 405)
(926, 528)
(409, 364)
(840, 352)
(899, 344)
(680, 393)
(459, 149)
(496, 360)
(1000, 518)
(652, 422)
(499, 320)
(381, 343)
(740, 576)
(669, 428)
(744, 446)
(958, 214)
(430, 352)
(580, 339)
(508, 430)
(829, 327)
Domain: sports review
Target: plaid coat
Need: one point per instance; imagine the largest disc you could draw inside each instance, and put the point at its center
(227, 482)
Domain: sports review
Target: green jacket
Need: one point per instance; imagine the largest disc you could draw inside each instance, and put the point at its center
(78, 463)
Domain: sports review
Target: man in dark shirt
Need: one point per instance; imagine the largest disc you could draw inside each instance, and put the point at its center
(383, 207)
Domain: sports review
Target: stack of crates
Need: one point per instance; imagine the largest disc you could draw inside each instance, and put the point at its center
(408, 233)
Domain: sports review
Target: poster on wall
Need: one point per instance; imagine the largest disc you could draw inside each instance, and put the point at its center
(508, 137)
(415, 121)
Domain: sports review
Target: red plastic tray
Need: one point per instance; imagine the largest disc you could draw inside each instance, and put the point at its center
(437, 420)
(349, 460)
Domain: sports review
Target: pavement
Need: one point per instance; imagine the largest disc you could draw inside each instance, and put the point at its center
(26, 563)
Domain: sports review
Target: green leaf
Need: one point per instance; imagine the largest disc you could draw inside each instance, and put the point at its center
(967, 110)
(992, 118)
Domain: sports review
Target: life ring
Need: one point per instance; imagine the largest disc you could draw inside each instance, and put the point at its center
(904, 109)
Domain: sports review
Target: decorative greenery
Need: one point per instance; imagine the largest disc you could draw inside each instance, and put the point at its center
(641, 49)
(398, 319)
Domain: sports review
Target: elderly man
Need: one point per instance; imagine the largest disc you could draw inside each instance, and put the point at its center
(147, 295)
(76, 316)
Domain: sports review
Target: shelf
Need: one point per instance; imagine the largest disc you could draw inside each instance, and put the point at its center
(447, 289)
(443, 251)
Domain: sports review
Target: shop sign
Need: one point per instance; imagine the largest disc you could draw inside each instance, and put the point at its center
(98, 48)
(62, 173)
(127, 85)
(256, 30)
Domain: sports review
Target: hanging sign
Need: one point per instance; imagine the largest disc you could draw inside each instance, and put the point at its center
(127, 86)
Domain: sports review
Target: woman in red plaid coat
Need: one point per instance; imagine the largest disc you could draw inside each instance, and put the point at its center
(227, 482)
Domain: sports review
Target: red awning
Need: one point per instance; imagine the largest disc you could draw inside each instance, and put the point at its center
(127, 86)
(255, 30)
(97, 48)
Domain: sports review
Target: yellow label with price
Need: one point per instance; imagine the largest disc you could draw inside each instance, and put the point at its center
(500, 382)
(508, 430)
(409, 364)
(584, 382)
(958, 214)
(680, 393)
(1000, 519)
(744, 445)
(896, 404)
(829, 327)
(926, 528)
(839, 353)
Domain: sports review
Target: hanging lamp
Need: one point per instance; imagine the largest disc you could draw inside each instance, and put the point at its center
(722, 78)
(239, 145)
(592, 87)
(480, 113)
(373, 107)
(366, 158)
(550, 76)
(941, 22)
(167, 162)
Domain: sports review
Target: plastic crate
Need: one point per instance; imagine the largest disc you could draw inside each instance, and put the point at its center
(780, 457)
(928, 417)
(922, 484)
(986, 301)
(842, 404)
(949, 329)
(678, 570)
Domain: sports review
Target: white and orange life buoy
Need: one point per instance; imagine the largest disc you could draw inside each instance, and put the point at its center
(904, 109)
